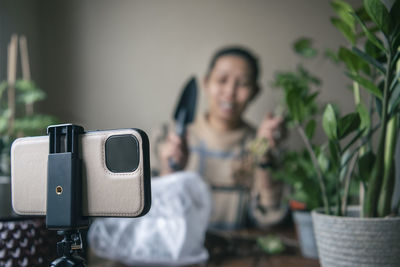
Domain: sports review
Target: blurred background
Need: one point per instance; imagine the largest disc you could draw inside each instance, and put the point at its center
(122, 64)
(115, 64)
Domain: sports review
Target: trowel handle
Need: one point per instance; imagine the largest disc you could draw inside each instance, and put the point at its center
(180, 131)
(173, 165)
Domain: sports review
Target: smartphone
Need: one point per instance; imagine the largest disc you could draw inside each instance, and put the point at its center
(115, 173)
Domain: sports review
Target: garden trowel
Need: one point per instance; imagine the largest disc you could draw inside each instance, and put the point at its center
(185, 112)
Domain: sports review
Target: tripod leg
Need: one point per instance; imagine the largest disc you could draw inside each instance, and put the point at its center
(68, 249)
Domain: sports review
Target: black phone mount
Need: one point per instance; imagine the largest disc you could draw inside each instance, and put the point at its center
(64, 193)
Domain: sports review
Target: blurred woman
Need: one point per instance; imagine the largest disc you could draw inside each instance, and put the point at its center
(217, 146)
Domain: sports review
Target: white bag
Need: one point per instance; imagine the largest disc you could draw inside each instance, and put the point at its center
(172, 233)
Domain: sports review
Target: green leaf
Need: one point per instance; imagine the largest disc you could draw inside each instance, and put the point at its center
(394, 100)
(345, 29)
(378, 104)
(353, 140)
(329, 122)
(344, 162)
(3, 87)
(396, 57)
(379, 14)
(396, 42)
(353, 62)
(395, 81)
(323, 162)
(31, 96)
(332, 55)
(334, 152)
(25, 85)
(296, 107)
(34, 125)
(309, 99)
(362, 14)
(303, 47)
(344, 10)
(370, 35)
(365, 165)
(5, 115)
(370, 60)
(364, 116)
(368, 85)
(395, 13)
(375, 52)
(310, 129)
(348, 124)
(3, 124)
(271, 244)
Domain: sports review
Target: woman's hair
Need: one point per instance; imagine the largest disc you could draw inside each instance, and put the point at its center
(237, 51)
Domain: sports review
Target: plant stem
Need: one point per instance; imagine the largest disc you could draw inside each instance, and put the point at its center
(316, 166)
(377, 174)
(357, 101)
(385, 200)
(356, 91)
(348, 176)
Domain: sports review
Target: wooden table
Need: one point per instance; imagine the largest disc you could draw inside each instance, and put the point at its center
(240, 248)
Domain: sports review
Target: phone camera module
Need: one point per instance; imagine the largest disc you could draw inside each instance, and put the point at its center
(122, 153)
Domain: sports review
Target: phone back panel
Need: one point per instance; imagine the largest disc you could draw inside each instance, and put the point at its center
(105, 193)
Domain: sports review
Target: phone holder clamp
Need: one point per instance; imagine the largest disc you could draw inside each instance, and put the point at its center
(64, 192)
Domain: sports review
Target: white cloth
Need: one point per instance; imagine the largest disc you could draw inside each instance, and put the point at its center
(172, 233)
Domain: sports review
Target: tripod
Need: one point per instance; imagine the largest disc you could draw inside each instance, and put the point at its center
(69, 248)
(64, 193)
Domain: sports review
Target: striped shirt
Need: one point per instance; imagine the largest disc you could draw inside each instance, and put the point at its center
(242, 195)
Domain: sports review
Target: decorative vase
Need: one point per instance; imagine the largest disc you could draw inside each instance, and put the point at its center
(27, 242)
(354, 241)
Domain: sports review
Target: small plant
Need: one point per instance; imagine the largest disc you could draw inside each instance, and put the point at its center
(300, 92)
(25, 122)
(17, 99)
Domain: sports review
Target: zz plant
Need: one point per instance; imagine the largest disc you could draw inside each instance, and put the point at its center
(372, 63)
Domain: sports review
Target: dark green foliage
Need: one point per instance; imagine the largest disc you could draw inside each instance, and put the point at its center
(381, 81)
(302, 170)
(303, 47)
(25, 122)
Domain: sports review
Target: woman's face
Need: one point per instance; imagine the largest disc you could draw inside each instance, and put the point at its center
(229, 88)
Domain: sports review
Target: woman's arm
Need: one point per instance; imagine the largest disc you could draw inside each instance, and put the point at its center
(268, 205)
(267, 194)
(167, 146)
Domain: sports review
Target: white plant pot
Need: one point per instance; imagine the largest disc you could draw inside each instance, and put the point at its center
(305, 234)
(353, 241)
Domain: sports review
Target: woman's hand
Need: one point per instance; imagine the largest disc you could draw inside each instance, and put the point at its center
(174, 154)
(272, 129)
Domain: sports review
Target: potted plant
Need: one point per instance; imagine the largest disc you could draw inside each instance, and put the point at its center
(367, 236)
(24, 241)
(300, 92)
(17, 115)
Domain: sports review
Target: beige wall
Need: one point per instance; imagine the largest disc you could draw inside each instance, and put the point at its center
(20, 17)
(112, 64)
